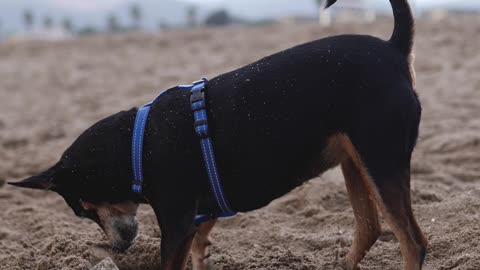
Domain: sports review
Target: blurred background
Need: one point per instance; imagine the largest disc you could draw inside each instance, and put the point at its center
(65, 64)
(57, 19)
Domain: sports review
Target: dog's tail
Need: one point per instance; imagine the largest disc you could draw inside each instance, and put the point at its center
(403, 32)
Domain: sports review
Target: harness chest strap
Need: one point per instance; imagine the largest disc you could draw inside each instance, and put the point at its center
(198, 106)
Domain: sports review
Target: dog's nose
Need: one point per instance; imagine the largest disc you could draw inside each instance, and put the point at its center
(127, 232)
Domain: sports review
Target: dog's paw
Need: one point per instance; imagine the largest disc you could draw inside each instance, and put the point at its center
(204, 264)
(211, 266)
(344, 264)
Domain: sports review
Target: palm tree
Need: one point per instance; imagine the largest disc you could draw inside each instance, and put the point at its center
(112, 23)
(67, 24)
(87, 30)
(192, 16)
(163, 26)
(136, 15)
(28, 20)
(47, 22)
(219, 18)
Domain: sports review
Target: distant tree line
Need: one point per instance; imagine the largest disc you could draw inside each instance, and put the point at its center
(112, 23)
(219, 18)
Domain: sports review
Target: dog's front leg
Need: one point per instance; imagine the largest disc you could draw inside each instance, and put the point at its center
(178, 230)
(201, 242)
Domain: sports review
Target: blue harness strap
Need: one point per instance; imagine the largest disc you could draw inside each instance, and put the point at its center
(137, 147)
(198, 105)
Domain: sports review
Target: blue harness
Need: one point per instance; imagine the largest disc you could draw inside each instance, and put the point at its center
(198, 105)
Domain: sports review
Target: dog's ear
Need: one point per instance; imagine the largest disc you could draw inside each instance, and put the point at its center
(43, 180)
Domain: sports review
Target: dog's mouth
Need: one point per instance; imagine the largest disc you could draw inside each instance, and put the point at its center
(121, 246)
(121, 232)
(116, 220)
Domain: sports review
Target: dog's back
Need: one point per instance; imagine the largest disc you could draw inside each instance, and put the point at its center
(313, 92)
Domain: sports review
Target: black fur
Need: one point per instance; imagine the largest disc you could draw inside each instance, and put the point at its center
(270, 122)
(403, 32)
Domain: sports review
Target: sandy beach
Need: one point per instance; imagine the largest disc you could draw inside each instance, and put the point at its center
(51, 92)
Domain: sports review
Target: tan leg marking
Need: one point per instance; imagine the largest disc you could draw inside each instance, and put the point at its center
(201, 242)
(395, 205)
(411, 66)
(367, 226)
(180, 259)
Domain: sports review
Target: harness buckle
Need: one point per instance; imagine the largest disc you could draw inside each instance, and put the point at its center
(136, 182)
(203, 80)
(197, 96)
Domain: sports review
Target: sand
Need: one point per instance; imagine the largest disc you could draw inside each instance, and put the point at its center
(50, 92)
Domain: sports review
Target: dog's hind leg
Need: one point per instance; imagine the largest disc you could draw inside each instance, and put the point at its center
(387, 168)
(395, 204)
(367, 226)
(201, 242)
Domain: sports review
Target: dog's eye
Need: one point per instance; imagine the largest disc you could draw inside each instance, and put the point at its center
(86, 205)
(83, 212)
(90, 214)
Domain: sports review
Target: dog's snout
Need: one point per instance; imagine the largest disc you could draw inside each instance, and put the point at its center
(122, 232)
(126, 231)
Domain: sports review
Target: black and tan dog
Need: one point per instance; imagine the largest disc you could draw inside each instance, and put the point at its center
(345, 100)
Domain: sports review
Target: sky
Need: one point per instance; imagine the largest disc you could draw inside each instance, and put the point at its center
(89, 5)
(95, 12)
(86, 5)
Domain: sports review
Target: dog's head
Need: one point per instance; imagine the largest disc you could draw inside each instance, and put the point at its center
(94, 177)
